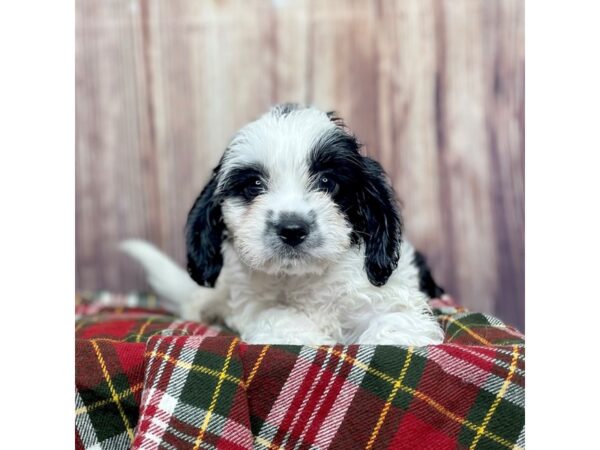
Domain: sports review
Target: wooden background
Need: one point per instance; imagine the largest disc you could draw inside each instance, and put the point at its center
(434, 88)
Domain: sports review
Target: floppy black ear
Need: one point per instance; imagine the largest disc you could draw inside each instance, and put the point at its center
(204, 234)
(381, 224)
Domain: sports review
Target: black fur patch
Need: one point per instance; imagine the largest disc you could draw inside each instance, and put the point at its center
(204, 235)
(240, 182)
(366, 198)
(427, 284)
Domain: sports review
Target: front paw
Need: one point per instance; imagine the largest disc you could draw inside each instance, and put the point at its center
(190, 311)
(402, 329)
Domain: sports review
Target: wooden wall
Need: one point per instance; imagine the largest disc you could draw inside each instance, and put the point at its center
(434, 88)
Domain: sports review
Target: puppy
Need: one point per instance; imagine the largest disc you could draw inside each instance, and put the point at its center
(297, 239)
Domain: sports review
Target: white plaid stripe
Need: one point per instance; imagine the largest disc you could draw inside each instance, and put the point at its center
(342, 403)
(118, 442)
(180, 374)
(218, 424)
(159, 423)
(338, 366)
(194, 415)
(153, 396)
(470, 373)
(286, 396)
(486, 357)
(513, 333)
(86, 430)
(521, 438)
(173, 328)
(306, 398)
(514, 393)
(238, 434)
(153, 436)
(509, 352)
(194, 342)
(460, 368)
(149, 440)
(192, 329)
(494, 320)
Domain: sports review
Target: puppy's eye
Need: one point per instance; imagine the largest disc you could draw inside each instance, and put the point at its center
(254, 188)
(328, 184)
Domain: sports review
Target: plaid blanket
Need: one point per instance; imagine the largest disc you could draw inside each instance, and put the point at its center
(146, 380)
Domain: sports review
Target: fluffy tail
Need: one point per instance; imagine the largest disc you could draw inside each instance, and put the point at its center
(164, 275)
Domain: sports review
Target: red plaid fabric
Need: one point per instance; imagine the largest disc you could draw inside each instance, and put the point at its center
(148, 381)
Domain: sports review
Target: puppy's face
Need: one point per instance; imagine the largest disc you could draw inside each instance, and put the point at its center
(281, 192)
(293, 193)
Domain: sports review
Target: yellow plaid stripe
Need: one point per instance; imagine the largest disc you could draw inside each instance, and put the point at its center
(389, 400)
(266, 443)
(501, 392)
(197, 368)
(213, 403)
(261, 356)
(138, 337)
(113, 391)
(469, 331)
(120, 396)
(114, 341)
(421, 396)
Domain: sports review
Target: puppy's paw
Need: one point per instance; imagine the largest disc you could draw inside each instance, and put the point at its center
(191, 311)
(402, 329)
(283, 326)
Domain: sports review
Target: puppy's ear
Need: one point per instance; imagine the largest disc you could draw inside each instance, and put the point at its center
(380, 223)
(204, 234)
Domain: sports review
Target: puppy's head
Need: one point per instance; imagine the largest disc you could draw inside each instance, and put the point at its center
(293, 193)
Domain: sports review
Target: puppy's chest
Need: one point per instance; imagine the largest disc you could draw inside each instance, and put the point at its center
(305, 293)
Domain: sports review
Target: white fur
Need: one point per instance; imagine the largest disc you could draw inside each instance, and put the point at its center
(322, 294)
(338, 305)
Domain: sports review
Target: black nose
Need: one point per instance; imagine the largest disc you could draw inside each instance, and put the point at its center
(292, 230)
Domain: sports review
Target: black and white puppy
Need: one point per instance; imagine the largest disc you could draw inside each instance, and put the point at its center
(297, 239)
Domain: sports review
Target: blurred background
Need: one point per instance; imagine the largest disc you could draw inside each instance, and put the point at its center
(435, 89)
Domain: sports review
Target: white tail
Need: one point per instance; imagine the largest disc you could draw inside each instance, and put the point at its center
(164, 275)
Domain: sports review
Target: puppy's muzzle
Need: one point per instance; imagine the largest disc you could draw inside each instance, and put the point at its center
(292, 229)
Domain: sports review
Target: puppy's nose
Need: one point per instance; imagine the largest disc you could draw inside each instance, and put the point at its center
(292, 230)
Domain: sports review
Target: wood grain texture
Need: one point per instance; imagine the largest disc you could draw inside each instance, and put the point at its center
(435, 89)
